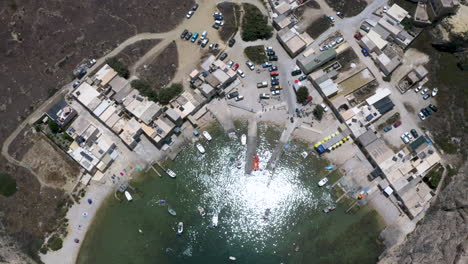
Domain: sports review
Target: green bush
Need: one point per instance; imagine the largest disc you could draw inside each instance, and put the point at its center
(302, 94)
(434, 176)
(169, 93)
(318, 112)
(145, 89)
(67, 137)
(119, 67)
(55, 243)
(256, 54)
(7, 184)
(54, 128)
(254, 24)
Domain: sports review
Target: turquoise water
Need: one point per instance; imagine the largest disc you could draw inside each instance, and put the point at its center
(214, 182)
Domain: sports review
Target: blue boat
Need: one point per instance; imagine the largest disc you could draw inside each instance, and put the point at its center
(330, 167)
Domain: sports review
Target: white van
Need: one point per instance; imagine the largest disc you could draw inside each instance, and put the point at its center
(203, 35)
(262, 84)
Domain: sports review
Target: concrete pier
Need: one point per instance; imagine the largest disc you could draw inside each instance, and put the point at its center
(222, 112)
(251, 146)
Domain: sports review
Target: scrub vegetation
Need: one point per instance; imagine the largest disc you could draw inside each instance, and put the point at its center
(7, 184)
(255, 24)
(119, 67)
(164, 96)
(302, 94)
(256, 54)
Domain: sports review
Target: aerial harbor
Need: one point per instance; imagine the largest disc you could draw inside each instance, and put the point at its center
(262, 131)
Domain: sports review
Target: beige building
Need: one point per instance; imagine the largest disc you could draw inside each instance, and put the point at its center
(293, 42)
(441, 8)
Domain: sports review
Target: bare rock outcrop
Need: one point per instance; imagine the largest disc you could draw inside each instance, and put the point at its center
(442, 236)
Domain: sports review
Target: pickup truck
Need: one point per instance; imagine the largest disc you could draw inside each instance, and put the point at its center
(262, 84)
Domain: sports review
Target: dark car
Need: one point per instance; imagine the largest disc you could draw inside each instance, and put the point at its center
(426, 111)
(388, 128)
(365, 53)
(274, 78)
(273, 68)
(433, 107)
(188, 36)
(274, 83)
(195, 7)
(218, 17)
(183, 34)
(215, 26)
(199, 42)
(303, 77)
(296, 72)
(271, 53)
(224, 56)
(397, 124)
(231, 42)
(414, 133)
(272, 58)
(425, 97)
(232, 95)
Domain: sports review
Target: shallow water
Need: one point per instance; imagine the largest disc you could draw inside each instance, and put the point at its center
(214, 182)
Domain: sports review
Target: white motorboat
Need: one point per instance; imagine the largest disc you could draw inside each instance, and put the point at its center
(243, 139)
(201, 211)
(232, 258)
(323, 181)
(215, 220)
(128, 196)
(200, 148)
(180, 228)
(171, 173)
(207, 135)
(304, 154)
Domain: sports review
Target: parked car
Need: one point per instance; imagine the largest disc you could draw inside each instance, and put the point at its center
(215, 14)
(433, 107)
(199, 42)
(302, 77)
(219, 23)
(274, 83)
(414, 133)
(233, 94)
(218, 18)
(273, 58)
(435, 91)
(216, 46)
(405, 138)
(365, 28)
(239, 98)
(358, 36)
(275, 92)
(365, 53)
(340, 15)
(274, 78)
(92, 62)
(425, 97)
(184, 34)
(262, 84)
(231, 42)
(264, 96)
(268, 48)
(397, 123)
(188, 36)
(76, 84)
(194, 37)
(417, 89)
(387, 128)
(189, 14)
(324, 107)
(266, 64)
(250, 65)
(241, 73)
(203, 35)
(195, 7)
(333, 44)
(234, 68)
(277, 87)
(296, 72)
(424, 91)
(223, 56)
(422, 116)
(274, 73)
(215, 26)
(205, 42)
(271, 53)
(230, 63)
(332, 19)
(339, 40)
(273, 68)
(308, 100)
(426, 111)
(324, 47)
(408, 135)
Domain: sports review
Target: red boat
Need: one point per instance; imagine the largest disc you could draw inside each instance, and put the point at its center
(256, 162)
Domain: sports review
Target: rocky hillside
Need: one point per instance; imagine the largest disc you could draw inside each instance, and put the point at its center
(451, 34)
(441, 237)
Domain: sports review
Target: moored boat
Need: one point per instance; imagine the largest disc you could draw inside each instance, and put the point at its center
(180, 228)
(329, 209)
(128, 196)
(171, 173)
(207, 135)
(243, 139)
(171, 211)
(215, 220)
(201, 211)
(232, 258)
(200, 148)
(323, 181)
(304, 154)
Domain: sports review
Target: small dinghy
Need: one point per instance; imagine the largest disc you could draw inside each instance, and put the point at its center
(215, 220)
(180, 228)
(207, 135)
(128, 196)
(171, 173)
(200, 148)
(243, 139)
(171, 211)
(201, 211)
(323, 181)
